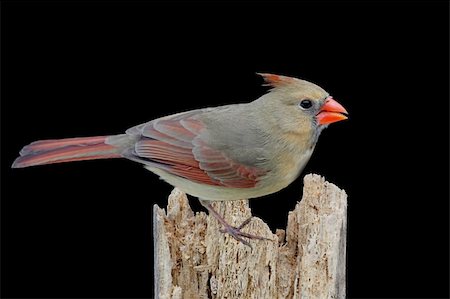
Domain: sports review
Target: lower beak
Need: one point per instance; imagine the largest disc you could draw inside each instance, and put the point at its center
(330, 112)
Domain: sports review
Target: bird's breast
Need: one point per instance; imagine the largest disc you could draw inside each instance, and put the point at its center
(290, 159)
(294, 164)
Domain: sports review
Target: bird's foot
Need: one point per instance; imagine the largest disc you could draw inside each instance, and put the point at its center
(236, 232)
(233, 231)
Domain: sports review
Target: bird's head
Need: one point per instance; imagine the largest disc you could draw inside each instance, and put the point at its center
(301, 106)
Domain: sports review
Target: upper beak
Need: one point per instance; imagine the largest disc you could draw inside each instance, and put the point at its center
(330, 112)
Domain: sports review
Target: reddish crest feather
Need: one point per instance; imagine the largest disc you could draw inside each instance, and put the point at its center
(276, 80)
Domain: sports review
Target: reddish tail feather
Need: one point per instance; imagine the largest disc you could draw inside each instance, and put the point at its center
(65, 150)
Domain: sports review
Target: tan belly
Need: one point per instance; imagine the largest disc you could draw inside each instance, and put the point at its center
(287, 170)
(211, 192)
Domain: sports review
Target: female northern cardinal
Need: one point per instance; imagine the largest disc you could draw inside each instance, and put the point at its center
(225, 153)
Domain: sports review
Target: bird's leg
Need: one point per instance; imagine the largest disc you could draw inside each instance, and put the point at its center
(235, 232)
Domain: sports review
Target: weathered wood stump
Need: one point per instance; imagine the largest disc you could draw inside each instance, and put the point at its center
(194, 260)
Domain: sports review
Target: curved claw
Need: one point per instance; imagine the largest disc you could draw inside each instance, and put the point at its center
(247, 221)
(235, 232)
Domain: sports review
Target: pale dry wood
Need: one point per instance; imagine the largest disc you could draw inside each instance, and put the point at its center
(194, 260)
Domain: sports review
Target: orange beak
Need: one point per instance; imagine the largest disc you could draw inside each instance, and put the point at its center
(331, 112)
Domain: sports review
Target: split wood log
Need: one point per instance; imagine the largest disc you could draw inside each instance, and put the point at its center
(194, 260)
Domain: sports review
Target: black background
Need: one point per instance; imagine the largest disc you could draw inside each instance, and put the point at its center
(96, 68)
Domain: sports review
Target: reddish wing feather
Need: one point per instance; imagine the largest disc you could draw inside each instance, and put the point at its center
(176, 143)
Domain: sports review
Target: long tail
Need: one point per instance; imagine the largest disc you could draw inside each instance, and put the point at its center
(65, 150)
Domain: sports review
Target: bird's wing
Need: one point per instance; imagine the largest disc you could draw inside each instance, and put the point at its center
(177, 145)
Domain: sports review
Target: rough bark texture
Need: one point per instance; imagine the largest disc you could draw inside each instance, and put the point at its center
(194, 260)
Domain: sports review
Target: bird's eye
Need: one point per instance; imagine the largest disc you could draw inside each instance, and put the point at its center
(306, 104)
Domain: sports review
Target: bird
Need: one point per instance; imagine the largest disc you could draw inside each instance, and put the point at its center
(231, 152)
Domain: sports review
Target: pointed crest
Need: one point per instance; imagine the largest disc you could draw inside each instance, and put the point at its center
(276, 80)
